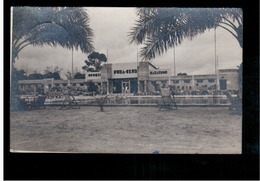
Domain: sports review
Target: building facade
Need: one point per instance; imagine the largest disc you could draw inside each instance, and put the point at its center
(141, 77)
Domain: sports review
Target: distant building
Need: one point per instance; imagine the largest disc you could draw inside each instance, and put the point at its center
(144, 77)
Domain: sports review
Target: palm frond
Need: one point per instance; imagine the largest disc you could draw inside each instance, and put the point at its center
(67, 27)
(162, 28)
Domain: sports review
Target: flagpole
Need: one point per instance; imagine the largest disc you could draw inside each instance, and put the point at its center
(72, 66)
(174, 70)
(215, 50)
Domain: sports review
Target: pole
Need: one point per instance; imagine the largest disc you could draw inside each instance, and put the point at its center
(72, 66)
(214, 96)
(174, 61)
(215, 50)
(218, 88)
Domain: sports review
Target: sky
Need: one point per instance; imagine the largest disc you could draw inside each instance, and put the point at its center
(111, 27)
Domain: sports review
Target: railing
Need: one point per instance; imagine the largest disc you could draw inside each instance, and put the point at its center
(146, 100)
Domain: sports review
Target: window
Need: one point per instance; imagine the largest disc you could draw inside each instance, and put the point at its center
(64, 84)
(186, 81)
(200, 81)
(57, 85)
(82, 84)
(163, 82)
(175, 81)
(211, 80)
(74, 84)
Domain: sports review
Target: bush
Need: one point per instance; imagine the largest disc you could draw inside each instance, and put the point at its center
(92, 87)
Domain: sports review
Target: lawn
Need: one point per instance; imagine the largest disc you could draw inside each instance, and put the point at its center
(127, 130)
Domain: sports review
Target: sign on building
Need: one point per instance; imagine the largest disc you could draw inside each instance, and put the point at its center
(124, 70)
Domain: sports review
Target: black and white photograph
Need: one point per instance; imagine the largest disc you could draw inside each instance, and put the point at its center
(126, 80)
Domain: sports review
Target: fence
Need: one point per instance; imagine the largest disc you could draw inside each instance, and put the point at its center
(181, 100)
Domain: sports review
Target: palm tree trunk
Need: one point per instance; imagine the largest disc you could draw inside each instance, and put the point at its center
(14, 80)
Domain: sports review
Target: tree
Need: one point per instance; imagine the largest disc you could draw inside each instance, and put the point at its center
(79, 75)
(95, 62)
(52, 26)
(20, 74)
(92, 87)
(162, 28)
(38, 26)
(35, 75)
(69, 75)
(52, 73)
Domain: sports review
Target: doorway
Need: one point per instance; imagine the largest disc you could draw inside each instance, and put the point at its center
(126, 87)
(223, 84)
(117, 87)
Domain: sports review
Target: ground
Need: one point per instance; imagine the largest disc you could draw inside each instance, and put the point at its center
(127, 130)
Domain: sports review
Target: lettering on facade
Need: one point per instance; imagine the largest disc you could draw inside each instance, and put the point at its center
(128, 71)
(158, 72)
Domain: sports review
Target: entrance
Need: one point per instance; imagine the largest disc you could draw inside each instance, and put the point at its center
(223, 84)
(126, 87)
(117, 87)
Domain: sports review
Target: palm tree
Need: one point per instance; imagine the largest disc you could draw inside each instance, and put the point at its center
(162, 28)
(52, 26)
(38, 26)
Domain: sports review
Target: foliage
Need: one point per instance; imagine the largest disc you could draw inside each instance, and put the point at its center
(21, 74)
(79, 75)
(69, 75)
(162, 28)
(92, 87)
(52, 74)
(38, 26)
(240, 72)
(95, 62)
(52, 26)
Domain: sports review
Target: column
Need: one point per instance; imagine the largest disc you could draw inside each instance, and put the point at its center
(193, 83)
(107, 87)
(145, 86)
(138, 86)
(46, 87)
